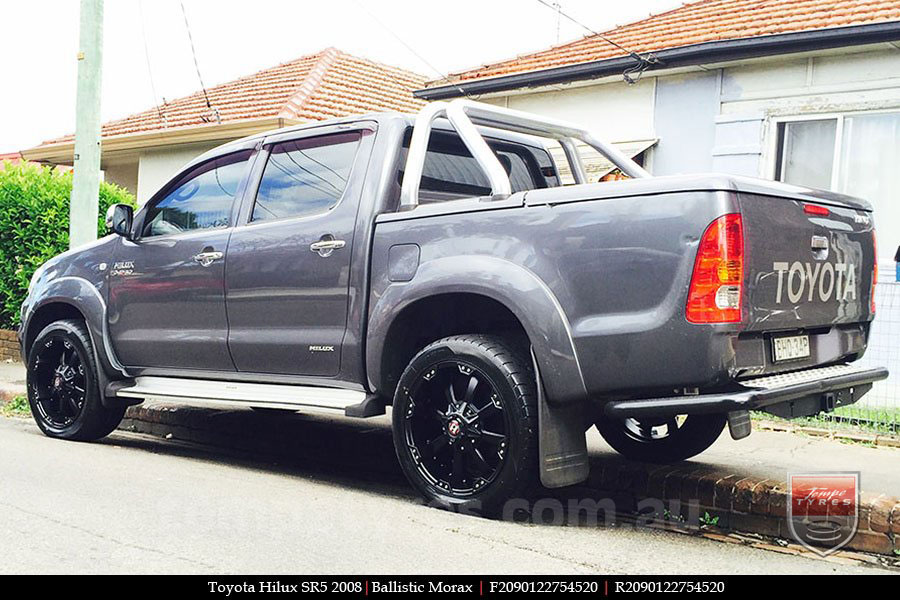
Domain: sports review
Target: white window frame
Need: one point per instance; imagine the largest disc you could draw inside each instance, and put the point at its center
(775, 152)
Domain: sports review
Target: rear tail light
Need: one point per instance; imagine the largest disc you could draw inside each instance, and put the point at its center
(717, 283)
(874, 270)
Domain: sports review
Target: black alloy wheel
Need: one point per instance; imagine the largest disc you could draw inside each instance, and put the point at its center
(456, 427)
(465, 423)
(63, 388)
(59, 386)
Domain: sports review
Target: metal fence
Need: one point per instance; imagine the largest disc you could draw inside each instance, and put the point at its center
(879, 410)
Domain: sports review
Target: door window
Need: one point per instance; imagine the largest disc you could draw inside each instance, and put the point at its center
(305, 177)
(201, 199)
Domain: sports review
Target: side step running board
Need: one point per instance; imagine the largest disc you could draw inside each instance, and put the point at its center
(354, 403)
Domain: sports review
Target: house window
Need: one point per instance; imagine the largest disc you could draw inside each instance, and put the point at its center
(855, 154)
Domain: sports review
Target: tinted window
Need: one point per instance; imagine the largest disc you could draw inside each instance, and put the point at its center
(305, 177)
(201, 200)
(451, 172)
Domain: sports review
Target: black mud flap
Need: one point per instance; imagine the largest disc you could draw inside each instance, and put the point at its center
(562, 442)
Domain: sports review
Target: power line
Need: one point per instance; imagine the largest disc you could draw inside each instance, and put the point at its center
(643, 62)
(410, 48)
(149, 68)
(197, 65)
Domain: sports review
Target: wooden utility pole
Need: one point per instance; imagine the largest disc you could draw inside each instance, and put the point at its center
(83, 206)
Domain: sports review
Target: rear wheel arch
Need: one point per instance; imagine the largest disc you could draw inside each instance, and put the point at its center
(432, 318)
(515, 288)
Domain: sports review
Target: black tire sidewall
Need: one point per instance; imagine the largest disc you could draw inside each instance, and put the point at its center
(520, 460)
(93, 415)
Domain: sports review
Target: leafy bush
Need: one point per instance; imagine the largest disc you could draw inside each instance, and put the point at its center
(34, 226)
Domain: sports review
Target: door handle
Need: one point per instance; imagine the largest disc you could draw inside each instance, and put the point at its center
(207, 258)
(327, 245)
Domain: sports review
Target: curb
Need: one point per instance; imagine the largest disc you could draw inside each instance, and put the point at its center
(684, 493)
(8, 391)
(9, 345)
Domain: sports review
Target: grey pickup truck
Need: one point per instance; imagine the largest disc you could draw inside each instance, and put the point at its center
(457, 266)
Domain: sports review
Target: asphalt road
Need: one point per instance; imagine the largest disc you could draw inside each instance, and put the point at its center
(136, 504)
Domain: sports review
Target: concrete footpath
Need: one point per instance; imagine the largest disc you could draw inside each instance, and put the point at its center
(740, 484)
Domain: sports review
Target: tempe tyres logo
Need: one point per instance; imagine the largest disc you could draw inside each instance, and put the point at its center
(824, 509)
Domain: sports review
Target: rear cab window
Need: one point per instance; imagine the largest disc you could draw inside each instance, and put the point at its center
(451, 172)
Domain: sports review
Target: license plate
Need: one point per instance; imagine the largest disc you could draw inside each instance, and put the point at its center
(791, 348)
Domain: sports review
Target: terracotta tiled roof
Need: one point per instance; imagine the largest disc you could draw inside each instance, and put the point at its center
(697, 22)
(320, 86)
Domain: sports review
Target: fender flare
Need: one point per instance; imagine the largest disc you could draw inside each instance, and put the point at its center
(513, 286)
(82, 295)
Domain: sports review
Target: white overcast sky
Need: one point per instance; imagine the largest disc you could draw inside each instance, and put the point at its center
(234, 38)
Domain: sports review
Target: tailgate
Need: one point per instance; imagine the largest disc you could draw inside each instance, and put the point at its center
(809, 264)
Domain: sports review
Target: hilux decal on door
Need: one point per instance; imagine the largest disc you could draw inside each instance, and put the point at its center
(804, 281)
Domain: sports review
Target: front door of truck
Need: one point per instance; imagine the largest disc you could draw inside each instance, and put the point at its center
(287, 269)
(167, 284)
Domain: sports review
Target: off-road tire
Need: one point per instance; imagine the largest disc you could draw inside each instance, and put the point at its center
(94, 421)
(512, 378)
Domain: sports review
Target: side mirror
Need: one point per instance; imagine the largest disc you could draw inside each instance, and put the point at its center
(118, 220)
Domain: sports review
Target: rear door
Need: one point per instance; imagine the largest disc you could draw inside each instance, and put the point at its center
(288, 264)
(167, 285)
(811, 264)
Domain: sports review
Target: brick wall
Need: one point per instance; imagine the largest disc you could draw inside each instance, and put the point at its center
(9, 345)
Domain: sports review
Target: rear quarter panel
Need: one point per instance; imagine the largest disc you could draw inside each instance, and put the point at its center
(619, 269)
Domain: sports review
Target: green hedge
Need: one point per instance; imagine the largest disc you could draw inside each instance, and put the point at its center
(34, 226)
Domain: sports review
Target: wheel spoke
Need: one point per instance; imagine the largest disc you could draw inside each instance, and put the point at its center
(458, 469)
(451, 395)
(490, 403)
(71, 402)
(479, 462)
(437, 444)
(470, 390)
(493, 437)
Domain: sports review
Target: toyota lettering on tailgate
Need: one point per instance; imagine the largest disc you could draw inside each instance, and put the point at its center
(805, 280)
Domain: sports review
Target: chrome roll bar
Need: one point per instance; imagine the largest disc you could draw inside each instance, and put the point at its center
(465, 116)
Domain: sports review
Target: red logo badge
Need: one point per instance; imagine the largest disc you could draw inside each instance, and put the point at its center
(823, 512)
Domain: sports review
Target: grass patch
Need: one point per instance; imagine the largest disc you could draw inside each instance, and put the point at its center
(885, 420)
(17, 407)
